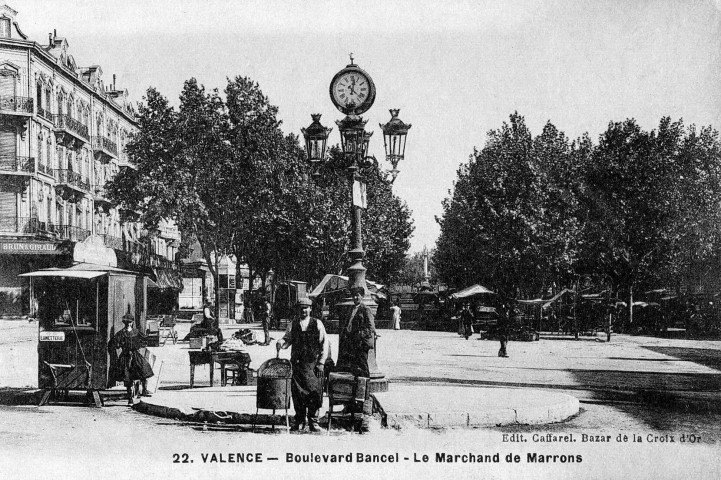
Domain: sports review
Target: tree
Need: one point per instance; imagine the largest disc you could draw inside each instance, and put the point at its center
(511, 220)
(652, 202)
(180, 160)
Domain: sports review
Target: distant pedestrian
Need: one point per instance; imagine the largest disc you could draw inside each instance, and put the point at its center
(396, 316)
(502, 329)
(264, 314)
(467, 320)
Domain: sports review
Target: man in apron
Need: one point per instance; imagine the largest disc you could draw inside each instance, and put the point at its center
(308, 354)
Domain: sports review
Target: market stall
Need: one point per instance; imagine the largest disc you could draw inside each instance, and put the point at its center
(80, 309)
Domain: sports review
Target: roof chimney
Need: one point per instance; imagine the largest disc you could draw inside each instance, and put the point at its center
(113, 81)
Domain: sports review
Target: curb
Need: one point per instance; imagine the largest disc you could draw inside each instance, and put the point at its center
(198, 415)
(20, 397)
(553, 413)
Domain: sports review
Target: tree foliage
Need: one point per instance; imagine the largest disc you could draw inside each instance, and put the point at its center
(223, 169)
(637, 209)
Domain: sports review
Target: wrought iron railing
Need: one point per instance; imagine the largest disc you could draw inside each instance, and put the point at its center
(66, 122)
(19, 225)
(46, 114)
(42, 168)
(104, 143)
(16, 104)
(75, 234)
(13, 163)
(112, 242)
(69, 177)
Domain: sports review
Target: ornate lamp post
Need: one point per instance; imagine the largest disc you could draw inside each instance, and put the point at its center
(353, 92)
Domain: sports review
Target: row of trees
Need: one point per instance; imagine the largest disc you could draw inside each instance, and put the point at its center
(635, 210)
(221, 167)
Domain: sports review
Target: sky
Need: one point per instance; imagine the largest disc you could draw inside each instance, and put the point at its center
(455, 69)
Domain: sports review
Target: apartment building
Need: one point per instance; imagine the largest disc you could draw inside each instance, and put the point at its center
(63, 131)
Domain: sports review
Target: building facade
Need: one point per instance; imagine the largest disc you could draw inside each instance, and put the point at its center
(63, 132)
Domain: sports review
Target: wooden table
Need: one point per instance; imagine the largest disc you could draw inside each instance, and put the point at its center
(241, 359)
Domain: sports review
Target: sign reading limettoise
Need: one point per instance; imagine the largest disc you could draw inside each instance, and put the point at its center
(31, 248)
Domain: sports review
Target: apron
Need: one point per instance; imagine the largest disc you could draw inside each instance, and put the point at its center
(306, 388)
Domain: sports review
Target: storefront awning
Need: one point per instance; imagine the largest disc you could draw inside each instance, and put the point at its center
(61, 272)
(168, 279)
(79, 270)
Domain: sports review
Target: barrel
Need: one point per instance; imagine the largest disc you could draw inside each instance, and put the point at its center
(274, 380)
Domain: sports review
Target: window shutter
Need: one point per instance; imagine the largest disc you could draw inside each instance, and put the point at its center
(7, 85)
(8, 147)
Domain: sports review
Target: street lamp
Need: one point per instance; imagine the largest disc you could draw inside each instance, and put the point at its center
(394, 141)
(316, 136)
(352, 91)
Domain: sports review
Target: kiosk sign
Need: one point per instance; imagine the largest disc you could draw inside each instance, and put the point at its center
(52, 336)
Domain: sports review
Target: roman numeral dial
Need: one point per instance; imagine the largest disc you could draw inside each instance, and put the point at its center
(352, 90)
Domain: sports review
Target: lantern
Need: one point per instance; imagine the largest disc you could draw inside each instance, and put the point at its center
(316, 136)
(394, 140)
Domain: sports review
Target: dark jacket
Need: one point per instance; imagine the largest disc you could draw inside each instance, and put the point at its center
(354, 345)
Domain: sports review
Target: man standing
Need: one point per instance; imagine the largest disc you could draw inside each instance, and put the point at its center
(503, 329)
(264, 314)
(310, 346)
(467, 320)
(356, 339)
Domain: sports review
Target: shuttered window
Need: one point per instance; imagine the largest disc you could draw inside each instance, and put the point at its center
(8, 209)
(7, 85)
(8, 147)
(5, 27)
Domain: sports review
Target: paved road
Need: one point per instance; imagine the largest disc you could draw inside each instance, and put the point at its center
(116, 440)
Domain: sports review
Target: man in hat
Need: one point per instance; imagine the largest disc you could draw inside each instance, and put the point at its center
(308, 354)
(357, 338)
(131, 365)
(264, 314)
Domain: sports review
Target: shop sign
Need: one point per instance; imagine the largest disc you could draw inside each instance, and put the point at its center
(169, 230)
(30, 248)
(52, 336)
(93, 250)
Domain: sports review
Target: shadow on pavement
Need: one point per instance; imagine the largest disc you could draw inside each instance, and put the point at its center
(703, 356)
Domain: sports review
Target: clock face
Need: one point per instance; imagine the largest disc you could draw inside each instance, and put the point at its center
(352, 91)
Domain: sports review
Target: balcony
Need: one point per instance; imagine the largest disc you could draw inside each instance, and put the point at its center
(112, 242)
(23, 225)
(70, 132)
(45, 114)
(44, 169)
(70, 185)
(12, 105)
(104, 149)
(124, 162)
(65, 232)
(101, 200)
(14, 165)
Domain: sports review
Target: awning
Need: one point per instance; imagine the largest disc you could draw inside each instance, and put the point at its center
(332, 283)
(79, 270)
(165, 278)
(471, 291)
(61, 272)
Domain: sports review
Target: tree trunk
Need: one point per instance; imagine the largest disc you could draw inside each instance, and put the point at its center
(630, 305)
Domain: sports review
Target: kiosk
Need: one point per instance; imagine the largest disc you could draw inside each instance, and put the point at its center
(80, 309)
